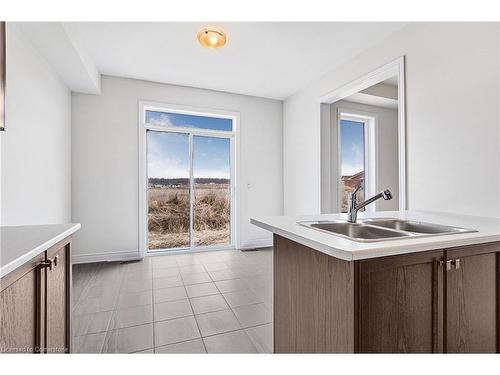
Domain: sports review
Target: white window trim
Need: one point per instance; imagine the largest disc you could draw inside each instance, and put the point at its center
(370, 151)
(395, 67)
(143, 178)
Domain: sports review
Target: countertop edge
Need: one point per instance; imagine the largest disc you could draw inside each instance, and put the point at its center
(16, 263)
(446, 241)
(337, 253)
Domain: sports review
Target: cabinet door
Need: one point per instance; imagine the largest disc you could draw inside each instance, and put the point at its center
(58, 285)
(400, 304)
(21, 315)
(472, 299)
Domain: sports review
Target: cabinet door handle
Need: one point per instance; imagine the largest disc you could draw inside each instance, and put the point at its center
(447, 264)
(56, 260)
(47, 264)
(456, 263)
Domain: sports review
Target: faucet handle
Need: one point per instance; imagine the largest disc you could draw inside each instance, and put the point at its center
(387, 195)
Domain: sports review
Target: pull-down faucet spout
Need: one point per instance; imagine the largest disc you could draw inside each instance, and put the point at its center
(354, 207)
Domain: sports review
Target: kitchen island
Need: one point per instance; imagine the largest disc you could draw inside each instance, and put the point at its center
(35, 288)
(421, 294)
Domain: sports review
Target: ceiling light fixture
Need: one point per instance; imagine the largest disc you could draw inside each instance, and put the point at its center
(212, 38)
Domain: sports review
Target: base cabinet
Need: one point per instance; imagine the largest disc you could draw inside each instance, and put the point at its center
(35, 304)
(400, 304)
(442, 301)
(20, 309)
(472, 300)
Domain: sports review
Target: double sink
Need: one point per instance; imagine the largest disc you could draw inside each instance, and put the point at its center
(382, 229)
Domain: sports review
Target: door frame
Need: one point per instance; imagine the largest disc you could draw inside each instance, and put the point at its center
(233, 136)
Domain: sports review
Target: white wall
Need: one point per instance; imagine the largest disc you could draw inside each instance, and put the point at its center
(452, 111)
(35, 148)
(105, 162)
(386, 149)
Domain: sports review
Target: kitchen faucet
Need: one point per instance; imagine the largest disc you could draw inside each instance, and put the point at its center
(354, 207)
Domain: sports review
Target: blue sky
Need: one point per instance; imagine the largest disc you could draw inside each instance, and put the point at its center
(188, 121)
(351, 147)
(168, 153)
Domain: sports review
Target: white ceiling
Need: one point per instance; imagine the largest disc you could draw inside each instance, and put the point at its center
(270, 60)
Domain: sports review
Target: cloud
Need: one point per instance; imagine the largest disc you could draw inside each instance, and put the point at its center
(351, 169)
(356, 149)
(159, 118)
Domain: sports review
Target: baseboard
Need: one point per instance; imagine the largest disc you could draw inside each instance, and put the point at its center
(256, 244)
(106, 257)
(121, 256)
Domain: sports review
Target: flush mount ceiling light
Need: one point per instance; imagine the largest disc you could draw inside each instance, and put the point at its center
(212, 38)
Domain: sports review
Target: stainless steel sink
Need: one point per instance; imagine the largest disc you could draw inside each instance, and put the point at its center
(358, 231)
(382, 229)
(415, 226)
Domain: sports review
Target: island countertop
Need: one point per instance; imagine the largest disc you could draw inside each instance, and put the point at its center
(487, 230)
(19, 244)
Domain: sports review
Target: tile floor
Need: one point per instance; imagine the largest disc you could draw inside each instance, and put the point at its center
(210, 302)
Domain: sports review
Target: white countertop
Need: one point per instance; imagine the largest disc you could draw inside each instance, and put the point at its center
(488, 230)
(19, 244)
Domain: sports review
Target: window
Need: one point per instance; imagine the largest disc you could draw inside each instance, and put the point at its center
(180, 120)
(356, 157)
(190, 180)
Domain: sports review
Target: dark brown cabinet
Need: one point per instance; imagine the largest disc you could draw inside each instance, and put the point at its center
(400, 304)
(441, 301)
(35, 304)
(20, 308)
(472, 299)
(433, 302)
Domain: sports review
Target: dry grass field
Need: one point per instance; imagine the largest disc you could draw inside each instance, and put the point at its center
(168, 216)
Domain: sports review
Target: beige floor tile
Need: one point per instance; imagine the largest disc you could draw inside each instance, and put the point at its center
(129, 340)
(135, 299)
(167, 282)
(132, 316)
(200, 290)
(252, 315)
(196, 278)
(136, 286)
(169, 294)
(165, 272)
(192, 269)
(192, 346)
(89, 343)
(241, 298)
(226, 274)
(147, 351)
(207, 304)
(234, 285)
(172, 310)
(91, 323)
(215, 266)
(176, 330)
(262, 337)
(231, 342)
(217, 322)
(96, 304)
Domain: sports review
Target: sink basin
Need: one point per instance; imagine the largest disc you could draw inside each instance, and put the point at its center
(382, 229)
(358, 231)
(415, 226)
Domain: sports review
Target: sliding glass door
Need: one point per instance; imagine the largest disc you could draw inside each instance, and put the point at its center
(189, 187)
(212, 190)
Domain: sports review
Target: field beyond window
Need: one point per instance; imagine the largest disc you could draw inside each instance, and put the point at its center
(169, 212)
(178, 120)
